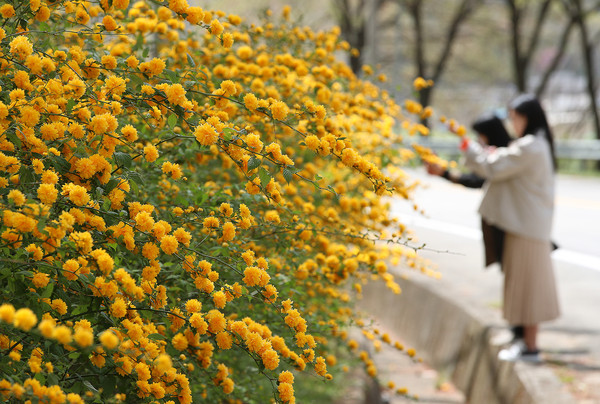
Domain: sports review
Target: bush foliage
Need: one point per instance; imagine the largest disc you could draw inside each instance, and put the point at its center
(190, 204)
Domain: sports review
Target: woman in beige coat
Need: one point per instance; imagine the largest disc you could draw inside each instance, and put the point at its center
(519, 199)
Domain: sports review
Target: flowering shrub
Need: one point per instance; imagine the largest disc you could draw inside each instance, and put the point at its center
(189, 204)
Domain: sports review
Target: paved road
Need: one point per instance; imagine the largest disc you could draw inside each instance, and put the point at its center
(449, 228)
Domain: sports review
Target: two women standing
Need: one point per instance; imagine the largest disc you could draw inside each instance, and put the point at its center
(519, 199)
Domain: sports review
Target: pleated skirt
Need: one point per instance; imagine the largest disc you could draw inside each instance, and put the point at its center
(530, 295)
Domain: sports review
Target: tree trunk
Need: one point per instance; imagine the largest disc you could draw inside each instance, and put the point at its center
(415, 9)
(562, 47)
(518, 64)
(587, 51)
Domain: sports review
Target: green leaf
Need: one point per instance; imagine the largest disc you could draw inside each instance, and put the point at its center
(156, 337)
(173, 77)
(70, 105)
(135, 177)
(136, 80)
(190, 60)
(288, 174)
(74, 355)
(14, 139)
(26, 175)
(112, 184)
(90, 386)
(172, 121)
(264, 176)
(139, 43)
(48, 291)
(41, 224)
(109, 386)
(122, 159)
(253, 163)
(135, 188)
(228, 134)
(60, 164)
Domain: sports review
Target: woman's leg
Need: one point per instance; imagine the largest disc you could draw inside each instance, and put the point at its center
(518, 332)
(530, 337)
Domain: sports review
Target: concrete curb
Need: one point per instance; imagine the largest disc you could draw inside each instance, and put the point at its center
(454, 338)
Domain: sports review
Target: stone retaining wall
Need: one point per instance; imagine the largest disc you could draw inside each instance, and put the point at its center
(455, 339)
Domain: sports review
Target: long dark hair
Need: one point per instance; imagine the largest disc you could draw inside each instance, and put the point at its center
(529, 106)
(491, 127)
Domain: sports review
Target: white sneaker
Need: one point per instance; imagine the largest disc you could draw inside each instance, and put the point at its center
(518, 352)
(512, 352)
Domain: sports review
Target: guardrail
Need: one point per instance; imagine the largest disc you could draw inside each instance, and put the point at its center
(588, 149)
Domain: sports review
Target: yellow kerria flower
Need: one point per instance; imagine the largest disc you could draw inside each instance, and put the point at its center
(193, 306)
(227, 40)
(59, 305)
(17, 197)
(24, 319)
(224, 340)
(63, 334)
(219, 299)
(216, 28)
(47, 193)
(47, 327)
(228, 231)
(179, 342)
(7, 312)
(86, 168)
(280, 110)
(216, 321)
(252, 275)
(120, 4)
(169, 244)
(286, 392)
(150, 153)
(179, 6)
(250, 101)
(83, 337)
(109, 340)
(286, 377)
(270, 359)
(144, 221)
(118, 308)
(109, 23)
(150, 251)
(272, 216)
(132, 61)
(198, 322)
(40, 280)
(153, 67)
(176, 94)
(194, 15)
(206, 134)
(76, 193)
(210, 222)
(29, 116)
(108, 61)
(71, 269)
(7, 11)
(184, 237)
